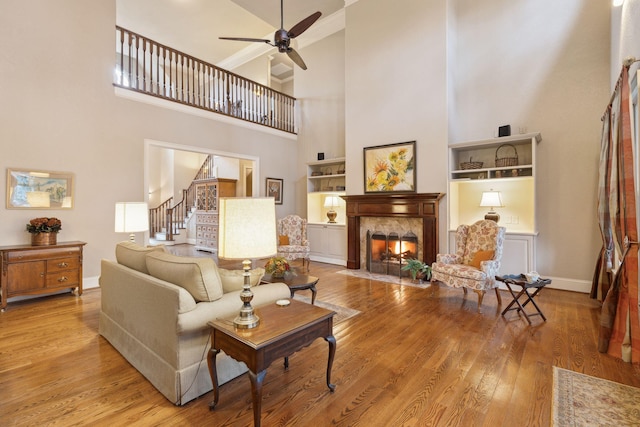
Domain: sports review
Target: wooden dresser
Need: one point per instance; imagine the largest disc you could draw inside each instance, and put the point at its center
(207, 194)
(29, 270)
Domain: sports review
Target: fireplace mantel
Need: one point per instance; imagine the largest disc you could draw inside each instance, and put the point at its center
(410, 205)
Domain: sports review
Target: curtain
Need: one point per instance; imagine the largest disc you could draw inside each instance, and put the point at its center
(619, 333)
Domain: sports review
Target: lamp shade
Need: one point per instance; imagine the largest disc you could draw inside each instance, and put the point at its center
(247, 227)
(331, 201)
(131, 217)
(491, 199)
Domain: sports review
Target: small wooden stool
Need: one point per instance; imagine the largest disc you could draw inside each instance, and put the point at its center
(521, 280)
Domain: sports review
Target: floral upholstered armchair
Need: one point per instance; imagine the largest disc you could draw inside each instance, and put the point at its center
(292, 239)
(476, 261)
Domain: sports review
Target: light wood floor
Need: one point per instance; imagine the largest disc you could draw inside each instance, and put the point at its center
(412, 357)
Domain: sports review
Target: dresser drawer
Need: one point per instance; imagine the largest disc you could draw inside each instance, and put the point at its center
(69, 278)
(44, 253)
(54, 265)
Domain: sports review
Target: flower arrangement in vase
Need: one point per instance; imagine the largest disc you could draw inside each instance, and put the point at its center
(277, 266)
(44, 231)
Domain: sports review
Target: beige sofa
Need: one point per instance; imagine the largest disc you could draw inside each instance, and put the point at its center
(155, 309)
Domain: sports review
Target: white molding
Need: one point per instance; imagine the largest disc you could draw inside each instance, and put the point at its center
(171, 105)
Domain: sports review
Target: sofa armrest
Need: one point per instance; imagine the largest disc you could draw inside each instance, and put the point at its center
(229, 305)
(145, 306)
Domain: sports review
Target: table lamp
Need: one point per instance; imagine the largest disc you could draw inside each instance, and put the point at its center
(247, 229)
(331, 202)
(491, 199)
(132, 217)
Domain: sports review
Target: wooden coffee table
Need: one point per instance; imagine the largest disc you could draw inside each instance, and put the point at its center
(282, 331)
(295, 282)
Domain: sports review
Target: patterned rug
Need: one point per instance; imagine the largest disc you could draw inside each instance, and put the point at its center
(582, 400)
(403, 281)
(342, 313)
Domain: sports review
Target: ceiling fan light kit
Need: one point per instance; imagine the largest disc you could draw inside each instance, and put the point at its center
(282, 38)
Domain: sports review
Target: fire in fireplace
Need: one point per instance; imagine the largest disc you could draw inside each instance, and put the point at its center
(387, 253)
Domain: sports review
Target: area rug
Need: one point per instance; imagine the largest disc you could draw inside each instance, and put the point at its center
(582, 400)
(403, 281)
(342, 313)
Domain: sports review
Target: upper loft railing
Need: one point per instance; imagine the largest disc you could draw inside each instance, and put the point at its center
(149, 67)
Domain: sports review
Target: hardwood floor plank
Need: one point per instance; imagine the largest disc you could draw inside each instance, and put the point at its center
(412, 357)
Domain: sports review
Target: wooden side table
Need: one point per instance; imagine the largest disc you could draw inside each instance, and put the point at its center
(521, 280)
(296, 282)
(28, 270)
(282, 331)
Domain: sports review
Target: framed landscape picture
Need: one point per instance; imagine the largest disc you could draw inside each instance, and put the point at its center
(390, 168)
(274, 189)
(29, 189)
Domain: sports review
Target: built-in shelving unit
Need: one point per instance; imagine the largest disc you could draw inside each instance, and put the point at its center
(326, 185)
(507, 165)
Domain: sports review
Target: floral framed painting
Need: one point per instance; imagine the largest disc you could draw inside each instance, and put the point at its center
(390, 168)
(29, 189)
(274, 189)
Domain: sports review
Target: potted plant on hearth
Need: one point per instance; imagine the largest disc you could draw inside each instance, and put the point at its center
(44, 231)
(418, 269)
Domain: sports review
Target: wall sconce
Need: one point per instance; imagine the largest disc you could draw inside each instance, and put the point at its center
(491, 199)
(131, 217)
(331, 202)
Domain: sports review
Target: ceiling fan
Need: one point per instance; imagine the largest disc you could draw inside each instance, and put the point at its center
(282, 38)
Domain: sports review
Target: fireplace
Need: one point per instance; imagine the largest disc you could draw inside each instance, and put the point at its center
(420, 210)
(387, 253)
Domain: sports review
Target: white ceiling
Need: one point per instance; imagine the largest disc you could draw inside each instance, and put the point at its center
(193, 26)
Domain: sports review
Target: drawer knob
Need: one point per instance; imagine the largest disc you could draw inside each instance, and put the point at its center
(63, 264)
(63, 279)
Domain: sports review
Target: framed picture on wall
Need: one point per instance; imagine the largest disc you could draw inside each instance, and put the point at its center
(390, 168)
(274, 189)
(33, 189)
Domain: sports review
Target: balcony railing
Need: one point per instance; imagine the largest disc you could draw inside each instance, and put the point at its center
(149, 67)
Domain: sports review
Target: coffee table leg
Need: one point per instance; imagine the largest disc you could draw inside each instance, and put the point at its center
(313, 294)
(211, 362)
(332, 352)
(256, 394)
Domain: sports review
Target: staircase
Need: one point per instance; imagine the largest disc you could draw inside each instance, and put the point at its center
(178, 235)
(168, 223)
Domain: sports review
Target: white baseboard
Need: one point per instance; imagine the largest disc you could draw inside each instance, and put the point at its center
(328, 260)
(564, 284)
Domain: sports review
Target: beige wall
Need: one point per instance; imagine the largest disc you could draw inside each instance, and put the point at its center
(59, 112)
(431, 71)
(320, 92)
(440, 72)
(542, 66)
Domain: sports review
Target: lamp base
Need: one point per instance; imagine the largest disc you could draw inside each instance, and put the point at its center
(332, 216)
(492, 216)
(246, 319)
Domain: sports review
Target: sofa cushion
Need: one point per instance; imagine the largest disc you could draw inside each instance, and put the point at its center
(232, 280)
(198, 275)
(134, 256)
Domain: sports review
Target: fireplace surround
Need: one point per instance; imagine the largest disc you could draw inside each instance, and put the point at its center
(411, 205)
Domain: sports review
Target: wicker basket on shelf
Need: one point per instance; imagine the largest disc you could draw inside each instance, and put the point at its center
(470, 165)
(511, 159)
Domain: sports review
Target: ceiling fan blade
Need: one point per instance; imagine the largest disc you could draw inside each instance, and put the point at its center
(245, 39)
(296, 58)
(302, 26)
